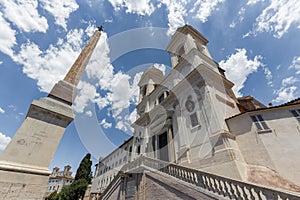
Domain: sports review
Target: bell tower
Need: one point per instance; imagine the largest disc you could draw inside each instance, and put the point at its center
(185, 40)
(24, 163)
(205, 101)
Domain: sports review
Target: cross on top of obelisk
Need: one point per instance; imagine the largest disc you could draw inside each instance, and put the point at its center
(100, 28)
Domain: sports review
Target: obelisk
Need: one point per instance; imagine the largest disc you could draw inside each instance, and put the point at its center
(25, 161)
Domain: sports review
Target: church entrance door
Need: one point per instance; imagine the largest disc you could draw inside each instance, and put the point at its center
(163, 147)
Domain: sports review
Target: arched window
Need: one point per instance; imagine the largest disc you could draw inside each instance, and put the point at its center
(144, 90)
(162, 97)
(180, 53)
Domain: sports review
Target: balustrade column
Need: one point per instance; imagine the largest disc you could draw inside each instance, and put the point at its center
(171, 147)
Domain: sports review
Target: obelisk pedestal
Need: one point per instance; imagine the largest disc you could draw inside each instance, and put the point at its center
(24, 163)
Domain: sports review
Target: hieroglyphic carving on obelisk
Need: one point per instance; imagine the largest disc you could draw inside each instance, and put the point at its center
(24, 163)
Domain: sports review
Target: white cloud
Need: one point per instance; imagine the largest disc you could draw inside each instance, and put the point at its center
(50, 66)
(296, 64)
(269, 76)
(278, 17)
(285, 94)
(135, 88)
(105, 124)
(241, 14)
(141, 7)
(119, 90)
(177, 10)
(4, 140)
(176, 14)
(289, 81)
(1, 110)
(91, 29)
(204, 8)
(86, 93)
(120, 93)
(232, 24)
(61, 10)
(7, 37)
(238, 67)
(89, 113)
(125, 124)
(182, 10)
(101, 102)
(12, 107)
(252, 2)
(24, 14)
(288, 91)
(99, 72)
(240, 17)
(99, 67)
(161, 67)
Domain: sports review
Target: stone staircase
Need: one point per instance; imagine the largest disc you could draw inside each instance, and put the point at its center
(156, 179)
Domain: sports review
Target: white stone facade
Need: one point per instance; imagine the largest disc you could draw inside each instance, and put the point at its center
(108, 167)
(192, 117)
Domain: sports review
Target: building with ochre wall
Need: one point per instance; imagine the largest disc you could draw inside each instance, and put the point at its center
(59, 179)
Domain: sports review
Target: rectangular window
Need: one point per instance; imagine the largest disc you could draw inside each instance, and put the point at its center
(129, 155)
(296, 114)
(194, 119)
(153, 143)
(259, 122)
(161, 98)
(138, 150)
(130, 149)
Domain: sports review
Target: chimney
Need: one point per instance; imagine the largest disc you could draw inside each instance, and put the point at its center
(67, 168)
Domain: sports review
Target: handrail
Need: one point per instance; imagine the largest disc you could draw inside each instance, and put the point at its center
(227, 187)
(111, 184)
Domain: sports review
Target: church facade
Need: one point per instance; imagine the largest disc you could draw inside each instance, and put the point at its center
(192, 118)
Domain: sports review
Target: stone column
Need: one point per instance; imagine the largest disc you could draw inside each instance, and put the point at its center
(156, 147)
(171, 145)
(183, 146)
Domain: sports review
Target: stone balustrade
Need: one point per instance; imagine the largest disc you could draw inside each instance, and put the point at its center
(227, 187)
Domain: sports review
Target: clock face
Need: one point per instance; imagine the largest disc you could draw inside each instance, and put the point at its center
(190, 105)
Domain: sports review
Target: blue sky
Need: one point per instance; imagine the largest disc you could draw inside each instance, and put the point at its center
(255, 41)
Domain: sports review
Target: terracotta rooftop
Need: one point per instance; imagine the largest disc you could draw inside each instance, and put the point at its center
(292, 102)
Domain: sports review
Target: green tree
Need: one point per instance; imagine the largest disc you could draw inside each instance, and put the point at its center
(74, 191)
(84, 170)
(82, 179)
(53, 196)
